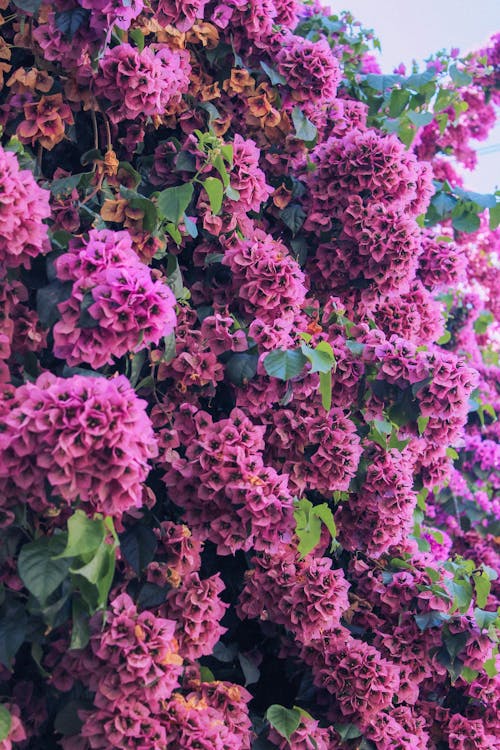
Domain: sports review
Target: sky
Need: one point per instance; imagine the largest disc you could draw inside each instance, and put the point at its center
(413, 29)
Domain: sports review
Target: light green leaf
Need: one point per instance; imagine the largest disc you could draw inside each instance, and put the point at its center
(84, 535)
(325, 389)
(173, 202)
(215, 192)
(304, 128)
(272, 74)
(422, 423)
(284, 720)
(459, 77)
(284, 363)
(321, 357)
(5, 722)
(482, 586)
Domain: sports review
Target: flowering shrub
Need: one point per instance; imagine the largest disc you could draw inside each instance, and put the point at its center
(248, 384)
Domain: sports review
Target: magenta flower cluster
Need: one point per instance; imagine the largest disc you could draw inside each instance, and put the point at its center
(115, 306)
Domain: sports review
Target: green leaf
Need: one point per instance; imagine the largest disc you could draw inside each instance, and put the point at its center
(5, 722)
(461, 591)
(482, 587)
(459, 77)
(138, 37)
(444, 338)
(321, 357)
(67, 722)
(443, 203)
(206, 674)
(324, 513)
(494, 216)
(241, 367)
(80, 630)
(382, 82)
(419, 119)
(466, 221)
(84, 535)
(221, 169)
(284, 720)
(29, 6)
(444, 98)
(431, 620)
(398, 101)
(69, 21)
(347, 731)
(307, 526)
(304, 128)
(325, 389)
(37, 568)
(13, 627)
(422, 423)
(94, 579)
(215, 192)
(484, 619)
(138, 546)
(284, 363)
(468, 674)
(173, 202)
(272, 74)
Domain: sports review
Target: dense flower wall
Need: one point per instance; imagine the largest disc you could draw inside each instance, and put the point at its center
(249, 376)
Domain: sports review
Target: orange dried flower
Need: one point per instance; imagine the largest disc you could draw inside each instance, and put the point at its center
(45, 121)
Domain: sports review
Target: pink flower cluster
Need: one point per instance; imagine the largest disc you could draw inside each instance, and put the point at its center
(310, 69)
(89, 438)
(137, 84)
(229, 496)
(247, 177)
(23, 208)
(306, 596)
(364, 163)
(380, 515)
(269, 281)
(115, 307)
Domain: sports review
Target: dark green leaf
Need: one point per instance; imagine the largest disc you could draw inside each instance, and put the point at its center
(398, 101)
(431, 620)
(40, 573)
(138, 37)
(67, 721)
(151, 595)
(466, 221)
(80, 630)
(69, 21)
(13, 626)
(347, 731)
(250, 671)
(47, 300)
(138, 546)
(293, 216)
(28, 6)
(241, 367)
